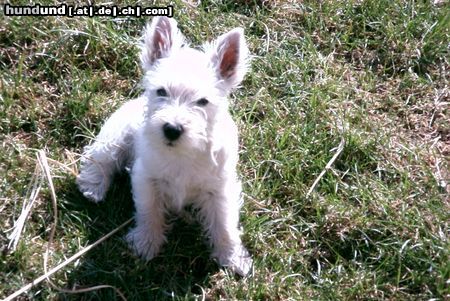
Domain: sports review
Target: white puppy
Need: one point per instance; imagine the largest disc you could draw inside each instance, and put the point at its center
(180, 140)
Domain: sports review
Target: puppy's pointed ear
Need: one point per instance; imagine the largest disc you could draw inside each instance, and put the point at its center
(230, 58)
(160, 38)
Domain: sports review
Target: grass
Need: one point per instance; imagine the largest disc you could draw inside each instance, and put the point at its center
(372, 72)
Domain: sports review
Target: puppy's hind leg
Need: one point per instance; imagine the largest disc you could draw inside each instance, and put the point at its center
(111, 151)
(97, 169)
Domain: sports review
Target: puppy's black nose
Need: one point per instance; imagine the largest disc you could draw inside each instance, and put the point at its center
(172, 131)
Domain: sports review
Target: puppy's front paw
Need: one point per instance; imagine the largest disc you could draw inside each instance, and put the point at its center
(143, 243)
(239, 261)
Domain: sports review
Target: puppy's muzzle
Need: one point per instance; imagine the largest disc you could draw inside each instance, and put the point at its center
(172, 131)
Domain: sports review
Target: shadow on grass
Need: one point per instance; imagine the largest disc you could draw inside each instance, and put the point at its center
(180, 270)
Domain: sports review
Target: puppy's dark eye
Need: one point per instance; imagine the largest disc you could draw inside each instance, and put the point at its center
(202, 102)
(161, 92)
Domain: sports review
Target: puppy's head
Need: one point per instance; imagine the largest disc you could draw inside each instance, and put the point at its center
(186, 88)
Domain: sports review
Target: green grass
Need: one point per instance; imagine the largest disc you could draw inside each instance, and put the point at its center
(372, 72)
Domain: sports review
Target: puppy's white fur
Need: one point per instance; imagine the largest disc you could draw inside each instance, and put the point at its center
(197, 168)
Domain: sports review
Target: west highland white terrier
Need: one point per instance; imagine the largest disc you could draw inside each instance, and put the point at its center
(180, 142)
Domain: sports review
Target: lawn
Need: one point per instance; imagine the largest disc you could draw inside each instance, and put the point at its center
(370, 76)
